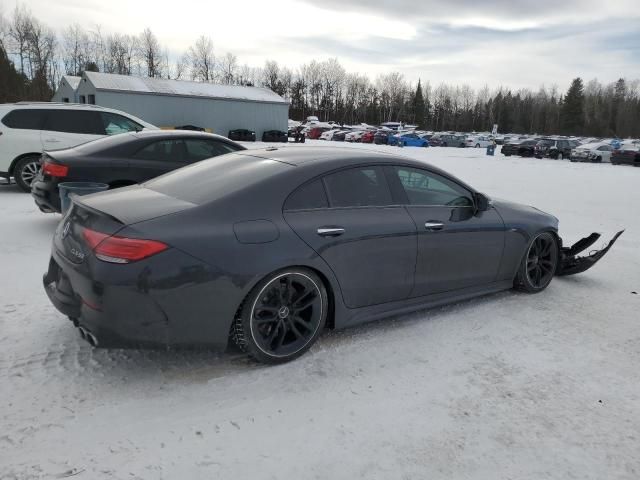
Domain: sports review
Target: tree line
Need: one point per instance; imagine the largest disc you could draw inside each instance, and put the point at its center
(33, 57)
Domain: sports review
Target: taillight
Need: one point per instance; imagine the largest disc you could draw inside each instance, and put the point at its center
(114, 249)
(54, 169)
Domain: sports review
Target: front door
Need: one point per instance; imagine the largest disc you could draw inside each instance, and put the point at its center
(349, 219)
(457, 247)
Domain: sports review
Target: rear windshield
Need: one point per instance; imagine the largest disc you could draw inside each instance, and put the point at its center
(216, 177)
(104, 143)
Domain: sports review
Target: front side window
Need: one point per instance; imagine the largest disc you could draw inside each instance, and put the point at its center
(358, 187)
(202, 149)
(74, 121)
(604, 148)
(25, 119)
(163, 151)
(308, 196)
(114, 123)
(427, 188)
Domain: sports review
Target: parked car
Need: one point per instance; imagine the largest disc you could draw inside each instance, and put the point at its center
(242, 135)
(477, 141)
(592, 152)
(354, 136)
(328, 135)
(340, 135)
(627, 154)
(268, 247)
(447, 140)
(523, 148)
(367, 137)
(556, 148)
(408, 140)
(314, 133)
(275, 136)
(123, 160)
(28, 128)
(381, 137)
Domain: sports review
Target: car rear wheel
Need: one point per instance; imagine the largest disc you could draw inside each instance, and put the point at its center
(599, 160)
(282, 316)
(477, 145)
(25, 172)
(538, 265)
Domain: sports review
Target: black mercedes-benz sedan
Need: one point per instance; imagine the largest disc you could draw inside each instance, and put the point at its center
(269, 247)
(122, 160)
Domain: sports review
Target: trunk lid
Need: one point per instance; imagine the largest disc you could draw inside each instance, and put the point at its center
(109, 212)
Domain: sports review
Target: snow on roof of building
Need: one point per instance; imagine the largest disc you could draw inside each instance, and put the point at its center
(159, 86)
(73, 81)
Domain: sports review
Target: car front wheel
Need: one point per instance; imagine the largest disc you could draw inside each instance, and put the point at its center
(282, 316)
(538, 265)
(25, 172)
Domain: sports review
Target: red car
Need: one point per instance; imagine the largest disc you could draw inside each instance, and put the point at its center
(367, 137)
(315, 132)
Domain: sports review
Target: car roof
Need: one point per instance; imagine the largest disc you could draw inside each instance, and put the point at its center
(179, 133)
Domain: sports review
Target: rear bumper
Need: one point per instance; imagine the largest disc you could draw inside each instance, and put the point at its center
(148, 304)
(46, 196)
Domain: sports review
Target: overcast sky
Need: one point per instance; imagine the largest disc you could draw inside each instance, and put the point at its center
(513, 43)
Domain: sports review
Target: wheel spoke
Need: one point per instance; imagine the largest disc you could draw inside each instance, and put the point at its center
(295, 330)
(300, 321)
(309, 299)
(280, 338)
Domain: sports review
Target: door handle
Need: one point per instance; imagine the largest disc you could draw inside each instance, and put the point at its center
(51, 140)
(330, 231)
(434, 226)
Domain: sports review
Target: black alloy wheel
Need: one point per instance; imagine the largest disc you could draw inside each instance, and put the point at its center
(539, 264)
(282, 316)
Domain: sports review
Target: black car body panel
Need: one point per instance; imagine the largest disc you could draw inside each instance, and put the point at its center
(523, 148)
(230, 222)
(126, 159)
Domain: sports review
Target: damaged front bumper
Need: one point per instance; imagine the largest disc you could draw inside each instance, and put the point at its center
(570, 263)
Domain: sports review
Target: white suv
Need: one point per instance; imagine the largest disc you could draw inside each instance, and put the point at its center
(26, 129)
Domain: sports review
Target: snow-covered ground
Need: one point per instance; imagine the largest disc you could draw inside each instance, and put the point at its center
(510, 386)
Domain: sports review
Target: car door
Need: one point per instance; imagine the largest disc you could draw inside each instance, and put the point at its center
(156, 158)
(64, 128)
(457, 246)
(349, 218)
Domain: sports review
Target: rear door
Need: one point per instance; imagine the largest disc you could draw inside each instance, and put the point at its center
(64, 128)
(457, 247)
(350, 220)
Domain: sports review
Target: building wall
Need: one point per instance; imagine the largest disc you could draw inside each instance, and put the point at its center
(171, 111)
(64, 91)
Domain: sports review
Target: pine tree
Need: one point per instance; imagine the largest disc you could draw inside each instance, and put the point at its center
(572, 110)
(418, 106)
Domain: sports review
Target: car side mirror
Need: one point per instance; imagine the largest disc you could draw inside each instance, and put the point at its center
(482, 202)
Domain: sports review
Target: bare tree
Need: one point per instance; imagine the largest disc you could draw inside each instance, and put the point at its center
(181, 67)
(19, 31)
(150, 54)
(75, 49)
(202, 59)
(228, 68)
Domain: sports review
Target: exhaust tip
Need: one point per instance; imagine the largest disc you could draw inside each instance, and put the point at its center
(91, 338)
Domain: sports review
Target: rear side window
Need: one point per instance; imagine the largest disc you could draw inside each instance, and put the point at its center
(308, 196)
(74, 121)
(163, 151)
(25, 119)
(114, 124)
(358, 187)
(198, 150)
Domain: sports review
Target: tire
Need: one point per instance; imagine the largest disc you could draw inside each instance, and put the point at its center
(444, 144)
(559, 156)
(539, 264)
(599, 160)
(477, 145)
(25, 171)
(272, 326)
